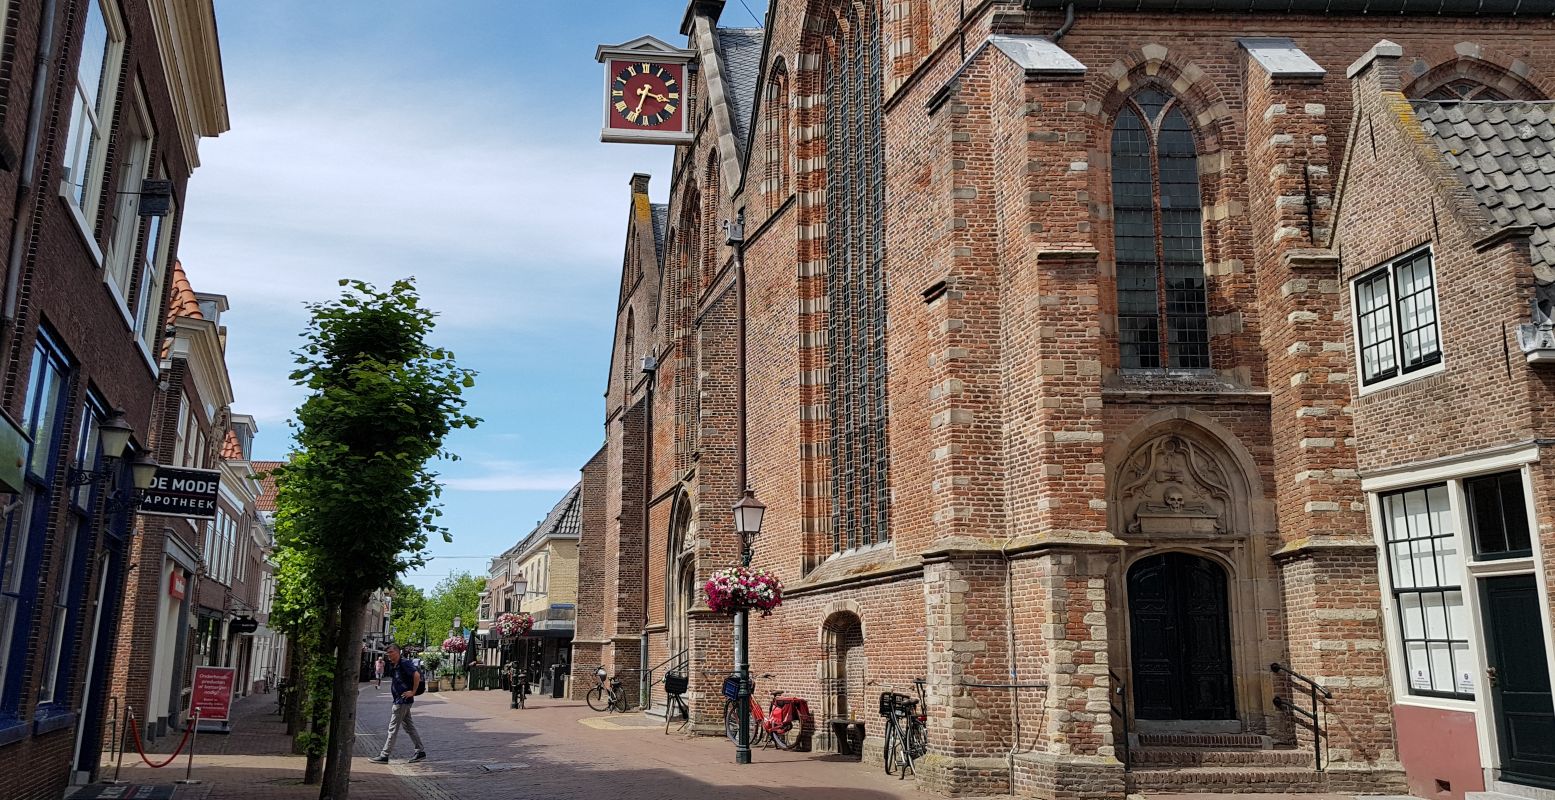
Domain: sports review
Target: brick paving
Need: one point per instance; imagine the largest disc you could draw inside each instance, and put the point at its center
(551, 750)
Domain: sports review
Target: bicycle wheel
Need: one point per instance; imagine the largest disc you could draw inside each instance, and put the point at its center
(917, 739)
(731, 722)
(784, 737)
(596, 699)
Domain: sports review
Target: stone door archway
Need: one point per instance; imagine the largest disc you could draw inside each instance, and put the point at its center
(1195, 582)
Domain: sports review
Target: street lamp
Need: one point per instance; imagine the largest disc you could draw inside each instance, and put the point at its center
(459, 632)
(747, 523)
(520, 679)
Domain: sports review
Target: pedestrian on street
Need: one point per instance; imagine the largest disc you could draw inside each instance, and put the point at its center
(404, 683)
(378, 672)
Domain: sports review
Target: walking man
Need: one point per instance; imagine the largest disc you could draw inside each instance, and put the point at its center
(378, 671)
(404, 682)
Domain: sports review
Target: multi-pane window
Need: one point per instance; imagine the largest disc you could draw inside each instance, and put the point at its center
(855, 280)
(123, 233)
(92, 106)
(1157, 234)
(67, 589)
(1424, 567)
(1395, 318)
(775, 126)
(43, 415)
(1498, 516)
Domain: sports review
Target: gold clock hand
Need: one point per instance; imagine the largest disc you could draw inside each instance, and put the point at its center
(642, 97)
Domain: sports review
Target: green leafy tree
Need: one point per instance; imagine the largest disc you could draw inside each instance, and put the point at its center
(409, 612)
(457, 595)
(358, 497)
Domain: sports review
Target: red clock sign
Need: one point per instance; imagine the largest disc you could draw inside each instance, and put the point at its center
(645, 92)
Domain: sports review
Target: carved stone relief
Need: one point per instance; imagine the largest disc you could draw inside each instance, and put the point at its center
(1174, 487)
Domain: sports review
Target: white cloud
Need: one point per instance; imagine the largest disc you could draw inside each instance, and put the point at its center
(509, 476)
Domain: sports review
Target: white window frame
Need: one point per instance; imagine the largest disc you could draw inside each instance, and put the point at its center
(1401, 374)
(119, 260)
(1454, 471)
(94, 161)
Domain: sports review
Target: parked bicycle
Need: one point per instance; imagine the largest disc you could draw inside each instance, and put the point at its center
(906, 730)
(781, 722)
(606, 695)
(675, 685)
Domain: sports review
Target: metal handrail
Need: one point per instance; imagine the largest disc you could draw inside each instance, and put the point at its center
(681, 658)
(1313, 690)
(1119, 690)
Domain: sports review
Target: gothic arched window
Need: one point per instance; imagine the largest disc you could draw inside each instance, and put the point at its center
(855, 279)
(1157, 233)
(776, 136)
(1457, 91)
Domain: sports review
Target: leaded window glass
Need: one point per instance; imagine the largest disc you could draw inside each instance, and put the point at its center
(1158, 237)
(1395, 318)
(1464, 89)
(855, 252)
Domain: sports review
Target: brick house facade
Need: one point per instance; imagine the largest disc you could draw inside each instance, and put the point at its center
(96, 96)
(1052, 382)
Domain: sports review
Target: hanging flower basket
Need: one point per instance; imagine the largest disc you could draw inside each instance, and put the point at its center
(454, 644)
(744, 589)
(510, 625)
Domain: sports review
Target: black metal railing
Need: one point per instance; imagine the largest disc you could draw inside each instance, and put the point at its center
(1312, 718)
(1119, 704)
(679, 660)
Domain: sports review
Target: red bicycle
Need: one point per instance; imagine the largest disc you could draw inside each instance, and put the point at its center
(779, 722)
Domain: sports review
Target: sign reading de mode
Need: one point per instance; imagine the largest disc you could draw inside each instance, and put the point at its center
(182, 492)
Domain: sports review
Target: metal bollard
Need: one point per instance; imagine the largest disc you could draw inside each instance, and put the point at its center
(194, 737)
(129, 719)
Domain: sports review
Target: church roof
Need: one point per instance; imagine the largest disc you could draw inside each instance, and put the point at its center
(739, 50)
(1504, 152)
(1454, 7)
(661, 223)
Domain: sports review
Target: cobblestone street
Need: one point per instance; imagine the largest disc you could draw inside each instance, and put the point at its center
(479, 748)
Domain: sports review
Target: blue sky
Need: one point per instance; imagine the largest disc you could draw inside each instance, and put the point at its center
(456, 142)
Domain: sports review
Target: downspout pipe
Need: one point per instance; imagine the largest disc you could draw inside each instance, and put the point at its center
(650, 368)
(24, 182)
(1067, 24)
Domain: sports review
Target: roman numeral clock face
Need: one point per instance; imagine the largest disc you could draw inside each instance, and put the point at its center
(646, 96)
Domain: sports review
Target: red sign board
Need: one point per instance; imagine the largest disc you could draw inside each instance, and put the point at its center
(212, 693)
(176, 583)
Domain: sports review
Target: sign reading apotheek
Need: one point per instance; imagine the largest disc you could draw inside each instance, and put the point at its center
(212, 693)
(182, 492)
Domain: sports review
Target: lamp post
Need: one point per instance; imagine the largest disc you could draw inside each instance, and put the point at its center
(747, 523)
(521, 674)
(459, 632)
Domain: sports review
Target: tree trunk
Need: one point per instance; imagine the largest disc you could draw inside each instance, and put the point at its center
(342, 729)
(292, 708)
(319, 705)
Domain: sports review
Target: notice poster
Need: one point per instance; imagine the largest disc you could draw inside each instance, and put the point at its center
(212, 693)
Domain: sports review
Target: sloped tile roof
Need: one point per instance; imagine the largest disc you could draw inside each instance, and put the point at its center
(565, 521)
(184, 303)
(739, 50)
(661, 223)
(1505, 152)
(267, 488)
(231, 449)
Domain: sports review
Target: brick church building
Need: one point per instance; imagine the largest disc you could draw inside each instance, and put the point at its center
(1119, 372)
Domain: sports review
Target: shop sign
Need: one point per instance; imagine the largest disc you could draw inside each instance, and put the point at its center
(243, 626)
(176, 584)
(182, 492)
(211, 692)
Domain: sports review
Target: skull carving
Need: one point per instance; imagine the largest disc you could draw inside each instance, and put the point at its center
(1175, 499)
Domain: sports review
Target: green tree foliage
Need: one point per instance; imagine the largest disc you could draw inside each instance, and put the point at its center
(457, 595)
(409, 613)
(358, 498)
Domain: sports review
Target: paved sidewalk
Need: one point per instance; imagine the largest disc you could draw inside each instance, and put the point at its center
(480, 749)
